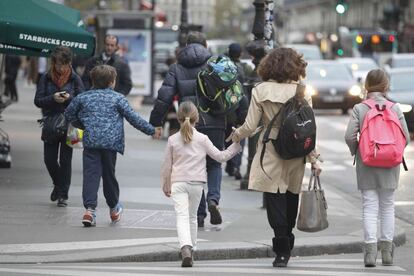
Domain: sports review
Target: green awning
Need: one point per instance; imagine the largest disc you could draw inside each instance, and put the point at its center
(35, 27)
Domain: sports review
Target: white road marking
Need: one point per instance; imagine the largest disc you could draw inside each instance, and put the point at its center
(335, 146)
(404, 203)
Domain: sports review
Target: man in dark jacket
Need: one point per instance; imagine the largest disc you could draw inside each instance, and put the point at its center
(12, 68)
(109, 57)
(181, 80)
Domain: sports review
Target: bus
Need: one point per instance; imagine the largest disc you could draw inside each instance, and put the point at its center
(377, 44)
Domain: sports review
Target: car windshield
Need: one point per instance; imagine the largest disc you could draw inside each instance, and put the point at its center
(403, 62)
(402, 81)
(361, 66)
(327, 72)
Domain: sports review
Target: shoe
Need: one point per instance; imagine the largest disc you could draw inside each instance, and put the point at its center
(89, 218)
(200, 222)
(54, 195)
(281, 247)
(215, 216)
(370, 254)
(387, 252)
(116, 212)
(62, 202)
(237, 174)
(186, 256)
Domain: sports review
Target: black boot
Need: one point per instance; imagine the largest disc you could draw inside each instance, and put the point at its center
(281, 247)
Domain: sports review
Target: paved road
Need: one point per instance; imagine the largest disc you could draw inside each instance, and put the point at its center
(341, 265)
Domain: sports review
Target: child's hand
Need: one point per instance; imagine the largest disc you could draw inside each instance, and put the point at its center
(167, 191)
(158, 133)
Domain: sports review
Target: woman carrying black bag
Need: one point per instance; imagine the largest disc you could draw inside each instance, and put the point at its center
(54, 93)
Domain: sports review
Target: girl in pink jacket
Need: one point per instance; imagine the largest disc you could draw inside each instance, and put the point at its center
(183, 174)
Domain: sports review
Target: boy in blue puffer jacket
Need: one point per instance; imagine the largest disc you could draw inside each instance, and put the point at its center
(101, 112)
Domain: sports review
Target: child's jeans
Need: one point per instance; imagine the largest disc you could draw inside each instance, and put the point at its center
(374, 202)
(186, 197)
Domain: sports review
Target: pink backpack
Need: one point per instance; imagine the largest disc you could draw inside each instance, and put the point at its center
(382, 140)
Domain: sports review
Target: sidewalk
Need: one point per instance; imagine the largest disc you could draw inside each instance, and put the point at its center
(34, 230)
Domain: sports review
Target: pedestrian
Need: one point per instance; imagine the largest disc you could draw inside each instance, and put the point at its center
(377, 184)
(181, 80)
(100, 112)
(55, 90)
(233, 120)
(108, 56)
(280, 179)
(184, 174)
(12, 65)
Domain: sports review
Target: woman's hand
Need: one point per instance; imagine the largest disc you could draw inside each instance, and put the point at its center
(316, 169)
(59, 98)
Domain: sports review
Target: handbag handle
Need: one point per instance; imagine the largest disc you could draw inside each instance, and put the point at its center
(316, 183)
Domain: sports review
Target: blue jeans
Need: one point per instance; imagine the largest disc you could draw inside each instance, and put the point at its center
(213, 170)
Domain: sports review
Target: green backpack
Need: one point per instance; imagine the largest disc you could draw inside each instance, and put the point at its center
(218, 90)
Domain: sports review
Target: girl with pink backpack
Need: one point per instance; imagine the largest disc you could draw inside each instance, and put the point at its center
(376, 135)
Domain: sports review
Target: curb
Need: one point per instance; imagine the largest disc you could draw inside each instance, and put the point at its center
(245, 252)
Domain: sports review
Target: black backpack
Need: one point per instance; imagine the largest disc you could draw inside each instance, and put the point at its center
(218, 91)
(297, 132)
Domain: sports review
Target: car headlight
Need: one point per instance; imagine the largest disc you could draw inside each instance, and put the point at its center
(405, 107)
(310, 90)
(355, 90)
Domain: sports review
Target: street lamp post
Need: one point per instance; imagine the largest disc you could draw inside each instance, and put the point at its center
(182, 36)
(257, 48)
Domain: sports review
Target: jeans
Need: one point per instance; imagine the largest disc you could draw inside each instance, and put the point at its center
(97, 164)
(213, 171)
(58, 161)
(186, 197)
(376, 202)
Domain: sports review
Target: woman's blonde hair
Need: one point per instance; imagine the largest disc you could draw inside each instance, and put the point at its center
(187, 115)
(377, 81)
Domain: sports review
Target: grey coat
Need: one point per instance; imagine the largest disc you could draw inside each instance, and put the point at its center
(369, 178)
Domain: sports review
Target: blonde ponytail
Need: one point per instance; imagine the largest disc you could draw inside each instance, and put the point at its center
(187, 116)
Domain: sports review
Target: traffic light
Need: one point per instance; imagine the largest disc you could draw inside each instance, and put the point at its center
(341, 6)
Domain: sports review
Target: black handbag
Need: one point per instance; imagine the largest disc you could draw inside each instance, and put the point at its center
(54, 128)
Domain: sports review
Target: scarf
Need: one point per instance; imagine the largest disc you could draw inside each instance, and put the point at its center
(60, 79)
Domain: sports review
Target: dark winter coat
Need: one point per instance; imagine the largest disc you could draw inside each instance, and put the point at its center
(123, 78)
(181, 80)
(101, 114)
(46, 88)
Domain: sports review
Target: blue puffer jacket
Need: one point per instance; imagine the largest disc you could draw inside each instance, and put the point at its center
(100, 113)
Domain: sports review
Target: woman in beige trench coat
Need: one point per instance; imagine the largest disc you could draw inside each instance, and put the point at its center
(280, 70)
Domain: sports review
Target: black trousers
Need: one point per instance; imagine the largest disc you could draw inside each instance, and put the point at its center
(58, 161)
(10, 87)
(282, 210)
(97, 164)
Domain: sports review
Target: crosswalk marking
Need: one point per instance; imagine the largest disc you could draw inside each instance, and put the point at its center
(297, 266)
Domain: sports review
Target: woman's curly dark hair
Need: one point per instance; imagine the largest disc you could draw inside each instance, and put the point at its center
(282, 65)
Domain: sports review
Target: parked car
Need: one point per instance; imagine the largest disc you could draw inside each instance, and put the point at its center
(400, 61)
(359, 67)
(402, 92)
(163, 53)
(310, 52)
(331, 85)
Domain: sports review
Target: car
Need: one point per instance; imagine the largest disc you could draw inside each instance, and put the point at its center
(402, 92)
(218, 46)
(400, 61)
(331, 85)
(163, 53)
(309, 51)
(359, 67)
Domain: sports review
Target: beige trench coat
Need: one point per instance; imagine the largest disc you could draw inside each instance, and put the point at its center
(267, 99)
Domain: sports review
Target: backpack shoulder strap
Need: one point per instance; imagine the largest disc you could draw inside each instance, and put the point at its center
(370, 103)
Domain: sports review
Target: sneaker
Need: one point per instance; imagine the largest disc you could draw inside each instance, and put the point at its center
(237, 174)
(89, 218)
(215, 216)
(116, 212)
(54, 195)
(186, 256)
(62, 202)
